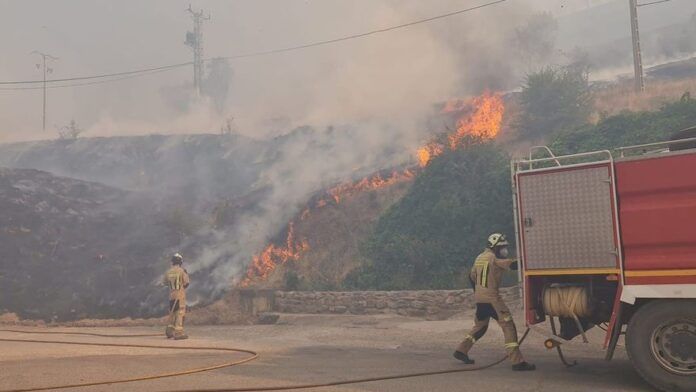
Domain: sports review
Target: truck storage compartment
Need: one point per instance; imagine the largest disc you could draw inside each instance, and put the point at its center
(657, 209)
(567, 218)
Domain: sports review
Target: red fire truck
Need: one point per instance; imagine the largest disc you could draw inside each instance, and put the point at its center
(608, 239)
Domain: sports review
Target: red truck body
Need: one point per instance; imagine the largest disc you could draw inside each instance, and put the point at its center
(657, 211)
(620, 231)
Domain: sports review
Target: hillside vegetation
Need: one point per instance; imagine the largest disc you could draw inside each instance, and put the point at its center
(73, 249)
(629, 128)
(430, 237)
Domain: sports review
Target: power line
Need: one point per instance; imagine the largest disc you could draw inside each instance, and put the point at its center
(85, 83)
(262, 53)
(361, 35)
(162, 68)
(653, 3)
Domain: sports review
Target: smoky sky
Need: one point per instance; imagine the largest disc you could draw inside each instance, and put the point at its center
(392, 78)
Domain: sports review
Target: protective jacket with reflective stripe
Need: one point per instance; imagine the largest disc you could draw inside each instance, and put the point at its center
(177, 280)
(487, 274)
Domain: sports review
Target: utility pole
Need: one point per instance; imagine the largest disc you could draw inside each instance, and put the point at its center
(195, 41)
(45, 70)
(635, 34)
(637, 56)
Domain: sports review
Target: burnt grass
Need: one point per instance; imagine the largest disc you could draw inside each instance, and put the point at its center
(71, 249)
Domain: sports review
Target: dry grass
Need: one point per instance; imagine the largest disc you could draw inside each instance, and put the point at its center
(334, 233)
(617, 98)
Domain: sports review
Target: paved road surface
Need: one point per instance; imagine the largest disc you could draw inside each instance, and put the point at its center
(302, 349)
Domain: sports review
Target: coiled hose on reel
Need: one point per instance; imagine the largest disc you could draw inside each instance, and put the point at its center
(567, 302)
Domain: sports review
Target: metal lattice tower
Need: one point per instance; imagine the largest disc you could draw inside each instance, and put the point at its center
(195, 41)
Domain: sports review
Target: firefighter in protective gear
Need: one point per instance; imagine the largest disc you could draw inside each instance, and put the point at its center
(485, 277)
(177, 280)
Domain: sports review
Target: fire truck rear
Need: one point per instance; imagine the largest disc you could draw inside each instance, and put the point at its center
(608, 239)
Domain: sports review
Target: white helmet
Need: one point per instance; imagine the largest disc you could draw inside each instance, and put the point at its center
(497, 239)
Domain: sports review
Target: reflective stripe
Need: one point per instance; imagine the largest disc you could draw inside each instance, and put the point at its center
(511, 345)
(507, 318)
(174, 279)
(473, 339)
(484, 276)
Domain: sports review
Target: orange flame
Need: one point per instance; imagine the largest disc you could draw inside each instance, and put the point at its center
(274, 255)
(368, 183)
(265, 262)
(428, 152)
(484, 122)
(481, 117)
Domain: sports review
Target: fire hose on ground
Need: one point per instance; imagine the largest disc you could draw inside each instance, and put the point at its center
(252, 356)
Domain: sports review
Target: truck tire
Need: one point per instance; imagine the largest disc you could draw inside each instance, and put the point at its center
(661, 344)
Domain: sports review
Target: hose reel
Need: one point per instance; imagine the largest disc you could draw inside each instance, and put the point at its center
(568, 301)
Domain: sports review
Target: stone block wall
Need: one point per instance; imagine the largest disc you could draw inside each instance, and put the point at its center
(434, 304)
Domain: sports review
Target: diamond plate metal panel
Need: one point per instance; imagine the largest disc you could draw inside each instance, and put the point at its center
(567, 219)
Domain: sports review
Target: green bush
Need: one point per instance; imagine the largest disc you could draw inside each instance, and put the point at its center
(629, 128)
(552, 100)
(434, 233)
(430, 238)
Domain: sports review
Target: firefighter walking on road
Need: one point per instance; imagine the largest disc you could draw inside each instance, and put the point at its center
(486, 276)
(177, 280)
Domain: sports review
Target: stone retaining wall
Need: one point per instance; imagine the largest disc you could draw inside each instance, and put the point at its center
(435, 304)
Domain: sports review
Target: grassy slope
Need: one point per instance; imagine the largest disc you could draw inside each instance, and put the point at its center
(425, 239)
(334, 233)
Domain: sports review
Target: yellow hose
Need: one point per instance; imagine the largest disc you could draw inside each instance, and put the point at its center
(567, 301)
(253, 355)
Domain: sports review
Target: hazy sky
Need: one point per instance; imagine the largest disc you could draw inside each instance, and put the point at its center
(390, 76)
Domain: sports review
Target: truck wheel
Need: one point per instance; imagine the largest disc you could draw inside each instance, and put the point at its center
(661, 344)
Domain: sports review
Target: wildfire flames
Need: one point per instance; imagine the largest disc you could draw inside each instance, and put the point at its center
(480, 117)
(484, 122)
(273, 255)
(369, 183)
(265, 262)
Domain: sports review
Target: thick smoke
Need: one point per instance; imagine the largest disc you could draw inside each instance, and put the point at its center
(366, 100)
(393, 76)
(308, 160)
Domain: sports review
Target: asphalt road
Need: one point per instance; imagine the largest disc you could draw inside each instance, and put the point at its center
(306, 349)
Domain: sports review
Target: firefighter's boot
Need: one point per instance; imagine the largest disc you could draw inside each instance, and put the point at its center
(523, 366)
(169, 331)
(180, 336)
(463, 357)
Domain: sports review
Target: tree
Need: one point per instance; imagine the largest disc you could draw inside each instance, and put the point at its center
(554, 99)
(70, 132)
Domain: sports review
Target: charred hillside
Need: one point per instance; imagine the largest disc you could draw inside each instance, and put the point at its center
(201, 166)
(71, 248)
(90, 238)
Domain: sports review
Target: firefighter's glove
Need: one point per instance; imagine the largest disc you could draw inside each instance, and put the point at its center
(515, 265)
